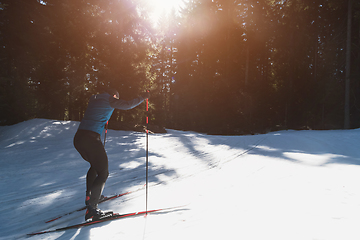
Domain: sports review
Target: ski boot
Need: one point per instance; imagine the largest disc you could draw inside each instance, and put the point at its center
(94, 214)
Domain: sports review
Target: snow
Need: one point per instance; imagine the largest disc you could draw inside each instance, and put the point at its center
(282, 185)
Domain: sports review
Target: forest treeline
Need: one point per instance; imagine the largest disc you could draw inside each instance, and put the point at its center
(216, 66)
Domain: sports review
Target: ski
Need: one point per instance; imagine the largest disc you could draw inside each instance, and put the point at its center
(113, 217)
(101, 201)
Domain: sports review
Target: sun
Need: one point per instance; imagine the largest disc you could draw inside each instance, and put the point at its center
(159, 8)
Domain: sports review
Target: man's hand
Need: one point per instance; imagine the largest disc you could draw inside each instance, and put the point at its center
(145, 95)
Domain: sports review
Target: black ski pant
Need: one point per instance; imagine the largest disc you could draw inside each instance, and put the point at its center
(90, 147)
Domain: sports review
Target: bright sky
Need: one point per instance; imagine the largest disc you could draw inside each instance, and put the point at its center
(159, 7)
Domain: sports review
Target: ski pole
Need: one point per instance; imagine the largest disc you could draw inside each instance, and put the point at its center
(106, 128)
(147, 152)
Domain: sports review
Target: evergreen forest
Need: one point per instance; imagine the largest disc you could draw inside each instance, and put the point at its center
(213, 66)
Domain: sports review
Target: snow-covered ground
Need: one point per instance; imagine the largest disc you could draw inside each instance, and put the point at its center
(285, 185)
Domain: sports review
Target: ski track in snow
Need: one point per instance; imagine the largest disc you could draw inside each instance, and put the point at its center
(282, 185)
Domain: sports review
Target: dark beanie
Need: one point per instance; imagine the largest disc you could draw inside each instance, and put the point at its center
(112, 92)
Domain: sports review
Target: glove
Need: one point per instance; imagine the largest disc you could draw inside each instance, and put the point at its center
(145, 95)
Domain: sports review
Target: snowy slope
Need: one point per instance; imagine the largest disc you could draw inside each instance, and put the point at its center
(283, 185)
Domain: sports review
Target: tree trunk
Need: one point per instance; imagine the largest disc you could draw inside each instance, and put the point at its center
(347, 80)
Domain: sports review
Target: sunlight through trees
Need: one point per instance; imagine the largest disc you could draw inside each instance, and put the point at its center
(214, 66)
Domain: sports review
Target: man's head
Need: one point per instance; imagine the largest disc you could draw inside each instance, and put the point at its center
(113, 92)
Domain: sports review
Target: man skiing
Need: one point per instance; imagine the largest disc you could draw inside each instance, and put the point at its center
(88, 143)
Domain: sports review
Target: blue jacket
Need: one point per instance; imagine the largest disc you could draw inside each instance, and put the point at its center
(100, 109)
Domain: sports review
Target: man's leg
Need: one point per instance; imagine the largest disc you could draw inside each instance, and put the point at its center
(90, 178)
(92, 150)
(97, 186)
